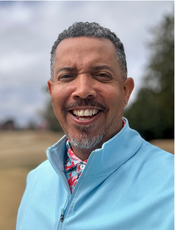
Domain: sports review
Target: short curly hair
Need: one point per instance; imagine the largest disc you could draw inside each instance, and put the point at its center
(93, 29)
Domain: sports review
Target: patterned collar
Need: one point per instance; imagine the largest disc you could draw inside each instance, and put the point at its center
(73, 167)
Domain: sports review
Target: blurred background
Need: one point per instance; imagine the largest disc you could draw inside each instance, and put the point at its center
(27, 123)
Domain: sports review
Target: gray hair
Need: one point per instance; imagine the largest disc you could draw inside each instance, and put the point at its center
(86, 29)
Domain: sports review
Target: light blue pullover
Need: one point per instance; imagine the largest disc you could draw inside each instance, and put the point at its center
(127, 184)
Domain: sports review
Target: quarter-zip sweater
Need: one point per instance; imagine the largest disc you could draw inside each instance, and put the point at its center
(127, 184)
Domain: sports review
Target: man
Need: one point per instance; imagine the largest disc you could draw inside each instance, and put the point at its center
(101, 175)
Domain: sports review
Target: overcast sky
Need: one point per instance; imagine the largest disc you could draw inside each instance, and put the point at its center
(29, 29)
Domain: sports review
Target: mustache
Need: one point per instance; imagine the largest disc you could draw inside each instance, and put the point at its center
(84, 102)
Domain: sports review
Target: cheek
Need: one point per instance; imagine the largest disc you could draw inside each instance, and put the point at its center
(116, 107)
(55, 100)
(57, 105)
(114, 97)
(58, 97)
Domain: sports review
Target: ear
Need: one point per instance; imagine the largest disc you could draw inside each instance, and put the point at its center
(128, 88)
(49, 85)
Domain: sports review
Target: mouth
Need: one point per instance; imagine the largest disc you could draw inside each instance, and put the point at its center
(85, 114)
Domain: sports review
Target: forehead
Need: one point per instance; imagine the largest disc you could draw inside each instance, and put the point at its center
(85, 49)
(87, 41)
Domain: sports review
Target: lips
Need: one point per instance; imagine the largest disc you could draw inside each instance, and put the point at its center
(84, 112)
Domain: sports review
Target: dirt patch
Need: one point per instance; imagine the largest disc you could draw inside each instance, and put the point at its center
(11, 190)
(24, 148)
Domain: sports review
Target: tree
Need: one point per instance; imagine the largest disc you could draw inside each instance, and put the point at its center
(152, 114)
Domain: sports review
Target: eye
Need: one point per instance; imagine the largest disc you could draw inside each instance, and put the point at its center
(66, 77)
(103, 76)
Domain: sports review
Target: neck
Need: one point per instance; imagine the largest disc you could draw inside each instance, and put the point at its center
(83, 154)
(80, 149)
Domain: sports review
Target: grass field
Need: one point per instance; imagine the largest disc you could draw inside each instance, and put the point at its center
(21, 151)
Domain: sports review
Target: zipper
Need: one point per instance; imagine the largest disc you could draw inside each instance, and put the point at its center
(61, 175)
(68, 203)
(62, 215)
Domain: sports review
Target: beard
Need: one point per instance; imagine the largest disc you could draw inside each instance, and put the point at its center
(86, 141)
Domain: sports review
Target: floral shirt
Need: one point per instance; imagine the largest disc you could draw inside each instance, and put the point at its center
(74, 166)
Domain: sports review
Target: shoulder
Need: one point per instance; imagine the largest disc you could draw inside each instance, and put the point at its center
(155, 153)
(156, 164)
(41, 174)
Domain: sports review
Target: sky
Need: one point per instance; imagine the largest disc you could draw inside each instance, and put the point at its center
(29, 29)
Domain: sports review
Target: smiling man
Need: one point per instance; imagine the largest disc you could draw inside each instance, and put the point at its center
(101, 174)
(88, 92)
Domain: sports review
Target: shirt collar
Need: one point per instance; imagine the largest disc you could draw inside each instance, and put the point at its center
(72, 160)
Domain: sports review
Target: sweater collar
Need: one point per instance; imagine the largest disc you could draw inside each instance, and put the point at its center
(110, 156)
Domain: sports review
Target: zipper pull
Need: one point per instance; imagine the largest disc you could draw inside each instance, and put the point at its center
(62, 215)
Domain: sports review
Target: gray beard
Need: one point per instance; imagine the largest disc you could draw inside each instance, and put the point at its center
(86, 142)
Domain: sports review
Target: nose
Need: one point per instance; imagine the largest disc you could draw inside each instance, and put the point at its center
(84, 88)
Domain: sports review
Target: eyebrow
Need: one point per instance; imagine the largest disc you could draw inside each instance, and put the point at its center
(65, 68)
(94, 68)
(100, 67)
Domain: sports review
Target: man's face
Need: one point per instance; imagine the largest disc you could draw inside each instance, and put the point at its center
(88, 91)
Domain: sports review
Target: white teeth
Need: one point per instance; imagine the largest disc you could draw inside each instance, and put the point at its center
(81, 113)
(85, 113)
(94, 112)
(83, 119)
